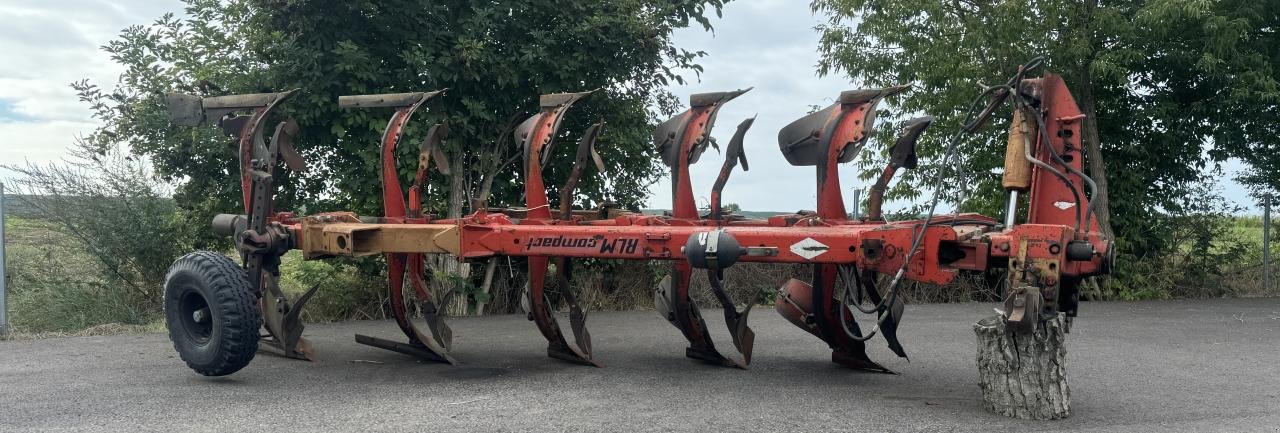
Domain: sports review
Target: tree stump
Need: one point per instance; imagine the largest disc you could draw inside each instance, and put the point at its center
(1023, 376)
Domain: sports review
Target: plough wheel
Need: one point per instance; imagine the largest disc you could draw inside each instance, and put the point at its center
(212, 313)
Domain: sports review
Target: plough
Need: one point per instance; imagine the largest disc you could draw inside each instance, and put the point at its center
(216, 307)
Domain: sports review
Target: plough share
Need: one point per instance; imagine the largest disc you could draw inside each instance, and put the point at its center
(215, 307)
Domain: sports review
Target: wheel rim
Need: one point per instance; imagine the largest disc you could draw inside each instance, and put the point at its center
(197, 319)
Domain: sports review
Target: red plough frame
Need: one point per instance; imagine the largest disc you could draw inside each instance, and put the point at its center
(1046, 256)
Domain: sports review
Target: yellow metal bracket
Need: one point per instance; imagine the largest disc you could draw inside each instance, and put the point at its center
(344, 235)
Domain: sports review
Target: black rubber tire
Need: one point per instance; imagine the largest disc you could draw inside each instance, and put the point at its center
(227, 339)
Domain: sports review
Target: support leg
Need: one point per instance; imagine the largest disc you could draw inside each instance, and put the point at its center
(1023, 375)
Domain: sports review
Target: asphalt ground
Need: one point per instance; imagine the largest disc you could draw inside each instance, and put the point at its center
(1211, 365)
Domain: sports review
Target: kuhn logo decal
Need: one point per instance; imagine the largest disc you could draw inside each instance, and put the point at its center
(809, 248)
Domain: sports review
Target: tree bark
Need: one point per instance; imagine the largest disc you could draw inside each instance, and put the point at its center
(457, 186)
(489, 270)
(1023, 376)
(450, 264)
(1093, 154)
(486, 186)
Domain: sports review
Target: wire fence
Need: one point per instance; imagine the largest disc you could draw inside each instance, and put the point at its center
(1255, 274)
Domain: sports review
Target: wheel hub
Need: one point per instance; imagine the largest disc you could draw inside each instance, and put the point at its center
(196, 317)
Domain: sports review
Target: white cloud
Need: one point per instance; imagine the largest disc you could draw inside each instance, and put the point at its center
(38, 142)
(48, 45)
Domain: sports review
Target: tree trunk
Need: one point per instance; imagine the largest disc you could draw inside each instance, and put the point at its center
(486, 187)
(1088, 102)
(1023, 376)
(1097, 169)
(450, 264)
(489, 270)
(457, 186)
(1093, 154)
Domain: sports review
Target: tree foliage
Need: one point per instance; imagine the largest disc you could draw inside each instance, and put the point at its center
(494, 57)
(1171, 87)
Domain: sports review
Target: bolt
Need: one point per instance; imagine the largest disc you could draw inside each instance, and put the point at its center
(201, 315)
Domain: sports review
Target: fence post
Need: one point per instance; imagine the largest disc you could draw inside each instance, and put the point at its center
(4, 278)
(1266, 243)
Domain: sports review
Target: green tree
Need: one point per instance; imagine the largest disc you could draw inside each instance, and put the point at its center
(495, 57)
(1169, 87)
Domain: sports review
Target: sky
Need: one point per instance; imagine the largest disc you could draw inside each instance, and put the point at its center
(766, 44)
(47, 45)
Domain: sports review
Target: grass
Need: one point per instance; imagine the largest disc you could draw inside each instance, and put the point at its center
(154, 327)
(55, 286)
(1246, 279)
(1231, 268)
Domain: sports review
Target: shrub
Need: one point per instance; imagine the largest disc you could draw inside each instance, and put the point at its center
(105, 237)
(346, 292)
